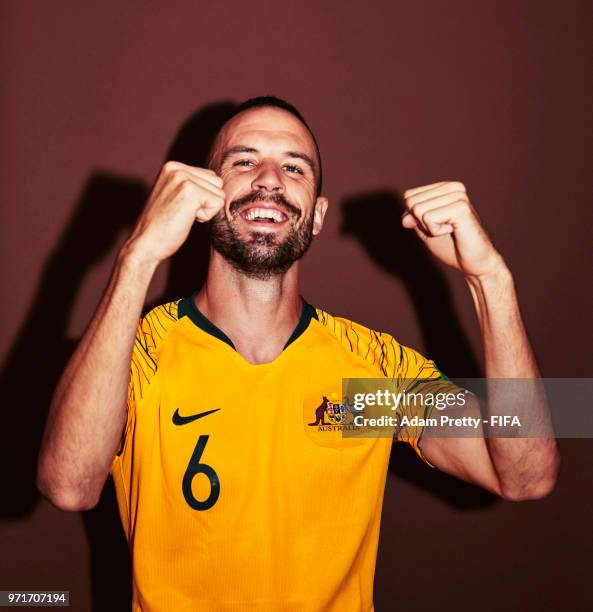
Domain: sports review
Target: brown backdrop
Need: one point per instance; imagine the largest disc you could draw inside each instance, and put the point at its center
(496, 94)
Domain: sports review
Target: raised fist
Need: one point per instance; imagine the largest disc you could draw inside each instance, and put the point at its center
(444, 218)
(181, 195)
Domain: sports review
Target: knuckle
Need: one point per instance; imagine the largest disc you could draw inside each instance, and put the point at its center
(461, 196)
(458, 186)
(418, 210)
(182, 186)
(212, 175)
(170, 166)
(175, 178)
(186, 183)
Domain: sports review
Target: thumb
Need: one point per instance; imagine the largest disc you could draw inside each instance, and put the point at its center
(408, 220)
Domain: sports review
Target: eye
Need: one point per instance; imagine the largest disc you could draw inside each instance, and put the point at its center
(293, 169)
(243, 162)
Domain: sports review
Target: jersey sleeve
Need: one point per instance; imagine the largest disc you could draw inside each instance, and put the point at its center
(143, 367)
(150, 333)
(420, 376)
(389, 359)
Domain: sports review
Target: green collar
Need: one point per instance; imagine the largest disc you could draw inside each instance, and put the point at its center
(187, 308)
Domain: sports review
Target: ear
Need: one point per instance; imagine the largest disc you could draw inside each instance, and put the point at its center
(319, 214)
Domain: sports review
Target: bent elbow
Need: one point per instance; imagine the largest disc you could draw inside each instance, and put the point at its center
(68, 501)
(536, 488)
(533, 492)
(63, 498)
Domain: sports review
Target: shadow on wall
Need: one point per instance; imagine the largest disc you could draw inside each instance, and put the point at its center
(42, 348)
(374, 219)
(108, 205)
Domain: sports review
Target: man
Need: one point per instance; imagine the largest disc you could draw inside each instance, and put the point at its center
(227, 495)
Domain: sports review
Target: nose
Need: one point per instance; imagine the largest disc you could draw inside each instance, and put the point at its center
(268, 178)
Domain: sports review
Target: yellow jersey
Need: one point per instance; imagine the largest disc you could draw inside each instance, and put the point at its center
(235, 485)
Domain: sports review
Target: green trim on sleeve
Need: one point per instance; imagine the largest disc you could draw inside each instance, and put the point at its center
(443, 375)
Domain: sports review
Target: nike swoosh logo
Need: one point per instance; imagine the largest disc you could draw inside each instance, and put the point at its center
(183, 420)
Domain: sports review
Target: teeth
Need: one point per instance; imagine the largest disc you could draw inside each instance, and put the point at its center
(264, 213)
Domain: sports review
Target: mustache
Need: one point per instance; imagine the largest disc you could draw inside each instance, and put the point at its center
(277, 198)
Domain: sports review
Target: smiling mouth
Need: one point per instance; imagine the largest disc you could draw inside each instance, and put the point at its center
(256, 214)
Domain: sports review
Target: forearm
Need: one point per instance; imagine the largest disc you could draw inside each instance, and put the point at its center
(88, 410)
(507, 351)
(526, 466)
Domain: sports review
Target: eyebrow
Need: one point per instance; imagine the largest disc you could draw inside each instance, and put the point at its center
(245, 149)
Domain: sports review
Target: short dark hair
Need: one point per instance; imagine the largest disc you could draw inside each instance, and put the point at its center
(274, 102)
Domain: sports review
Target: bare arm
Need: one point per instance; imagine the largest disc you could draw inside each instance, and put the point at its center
(88, 410)
(514, 468)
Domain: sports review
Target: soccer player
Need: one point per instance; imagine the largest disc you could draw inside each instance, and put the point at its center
(236, 486)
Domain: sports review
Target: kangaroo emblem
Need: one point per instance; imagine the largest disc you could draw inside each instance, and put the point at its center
(320, 413)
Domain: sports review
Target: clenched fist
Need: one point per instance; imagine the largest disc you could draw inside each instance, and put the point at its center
(181, 195)
(442, 215)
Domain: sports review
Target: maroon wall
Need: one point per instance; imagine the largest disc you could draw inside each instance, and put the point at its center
(496, 94)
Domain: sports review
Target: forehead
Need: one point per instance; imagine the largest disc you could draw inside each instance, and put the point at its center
(267, 127)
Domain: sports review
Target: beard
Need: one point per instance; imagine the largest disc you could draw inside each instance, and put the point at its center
(263, 255)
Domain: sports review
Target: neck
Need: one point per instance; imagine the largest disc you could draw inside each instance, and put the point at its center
(257, 315)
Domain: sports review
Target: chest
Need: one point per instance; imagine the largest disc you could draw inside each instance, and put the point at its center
(214, 434)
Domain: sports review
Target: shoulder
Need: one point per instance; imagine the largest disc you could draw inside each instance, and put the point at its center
(352, 335)
(380, 349)
(151, 333)
(155, 326)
